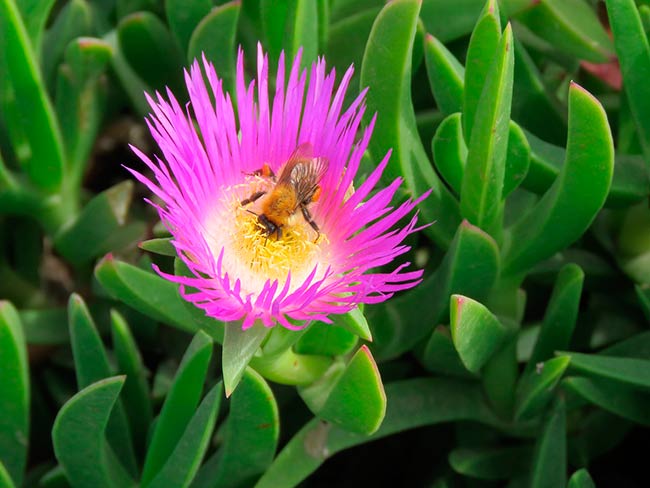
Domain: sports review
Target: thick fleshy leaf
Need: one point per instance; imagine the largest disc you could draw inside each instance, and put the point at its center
(517, 159)
(73, 21)
(482, 53)
(581, 479)
(450, 20)
(470, 267)
(355, 322)
(35, 14)
(636, 346)
(629, 371)
(135, 395)
(410, 404)
(101, 226)
(386, 70)
(352, 396)
(570, 205)
(14, 394)
(38, 146)
(490, 464)
(560, 317)
(239, 347)
(326, 340)
(633, 54)
(253, 421)
(81, 100)
(183, 17)
(290, 25)
(476, 332)
(446, 76)
(482, 186)
(450, 151)
(5, 479)
(536, 387)
(132, 84)
(179, 406)
(151, 51)
(440, 356)
(91, 365)
(571, 26)
(159, 245)
(183, 463)
(534, 106)
(153, 296)
(214, 37)
(629, 403)
(549, 463)
(78, 437)
(347, 37)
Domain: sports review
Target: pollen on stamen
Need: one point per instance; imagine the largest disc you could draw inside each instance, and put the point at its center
(263, 256)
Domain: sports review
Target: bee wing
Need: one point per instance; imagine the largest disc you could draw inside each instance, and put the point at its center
(306, 175)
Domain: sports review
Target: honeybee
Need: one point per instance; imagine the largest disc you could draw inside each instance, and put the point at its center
(295, 188)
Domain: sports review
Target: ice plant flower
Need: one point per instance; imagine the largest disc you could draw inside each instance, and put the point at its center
(219, 168)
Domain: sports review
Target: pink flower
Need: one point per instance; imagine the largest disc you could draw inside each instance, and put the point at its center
(213, 155)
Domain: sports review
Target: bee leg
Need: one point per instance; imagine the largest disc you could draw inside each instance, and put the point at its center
(264, 171)
(310, 221)
(252, 198)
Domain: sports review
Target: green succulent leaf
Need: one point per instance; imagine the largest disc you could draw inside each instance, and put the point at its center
(159, 245)
(560, 317)
(214, 37)
(581, 479)
(183, 17)
(490, 463)
(135, 395)
(23, 97)
(290, 26)
(536, 387)
(476, 332)
(326, 340)
(483, 45)
(446, 76)
(571, 26)
(81, 100)
(78, 438)
(153, 296)
(450, 151)
(633, 53)
(549, 463)
(101, 227)
(73, 21)
(470, 267)
(534, 106)
(239, 347)
(450, 20)
(517, 159)
(629, 403)
(45, 326)
(410, 404)
(386, 70)
(629, 371)
(483, 179)
(179, 408)
(91, 365)
(184, 462)
(350, 396)
(440, 356)
(151, 51)
(355, 322)
(14, 395)
(5, 479)
(570, 205)
(253, 421)
(35, 14)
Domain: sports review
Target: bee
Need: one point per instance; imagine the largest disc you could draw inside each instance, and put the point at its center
(295, 188)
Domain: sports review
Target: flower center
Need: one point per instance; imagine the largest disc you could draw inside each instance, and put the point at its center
(251, 252)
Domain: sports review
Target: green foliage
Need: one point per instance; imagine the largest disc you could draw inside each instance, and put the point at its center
(527, 335)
